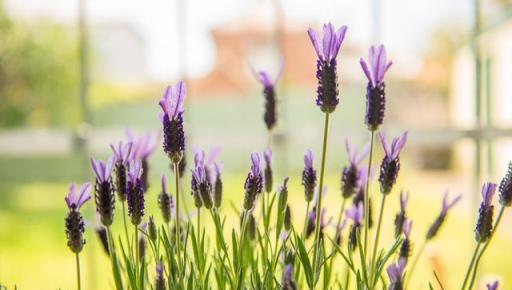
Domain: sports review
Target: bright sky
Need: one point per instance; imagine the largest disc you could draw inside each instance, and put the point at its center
(405, 23)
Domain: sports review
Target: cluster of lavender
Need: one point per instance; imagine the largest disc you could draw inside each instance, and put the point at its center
(266, 250)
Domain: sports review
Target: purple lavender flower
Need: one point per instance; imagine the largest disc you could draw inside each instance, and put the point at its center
(165, 201)
(270, 97)
(310, 225)
(267, 173)
(308, 176)
(492, 286)
(356, 214)
(361, 191)
(401, 216)
(101, 232)
(135, 192)
(253, 182)
(390, 165)
(485, 213)
(160, 283)
(143, 146)
(326, 51)
(406, 246)
(447, 205)
(104, 190)
(375, 91)
(122, 154)
(201, 185)
(350, 174)
(287, 282)
(172, 120)
(75, 226)
(506, 187)
(395, 274)
(217, 187)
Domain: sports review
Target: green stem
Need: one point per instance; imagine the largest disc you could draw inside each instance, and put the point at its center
(377, 235)
(340, 216)
(241, 248)
(475, 270)
(126, 229)
(367, 194)
(362, 258)
(78, 281)
(306, 220)
(177, 213)
(198, 223)
(319, 192)
(473, 258)
(415, 262)
(136, 244)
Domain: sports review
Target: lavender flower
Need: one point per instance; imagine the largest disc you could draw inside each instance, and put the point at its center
(135, 190)
(201, 186)
(308, 176)
(401, 216)
(390, 165)
(152, 230)
(361, 191)
(165, 201)
(375, 91)
(485, 213)
(217, 187)
(287, 282)
(506, 187)
(267, 173)
(350, 174)
(326, 51)
(143, 146)
(122, 154)
(310, 225)
(356, 214)
(492, 286)
(160, 283)
(395, 274)
(172, 120)
(253, 182)
(283, 193)
(142, 244)
(102, 236)
(434, 228)
(75, 226)
(287, 219)
(270, 97)
(104, 190)
(406, 246)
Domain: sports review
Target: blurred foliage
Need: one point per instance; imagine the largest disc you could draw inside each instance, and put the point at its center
(38, 74)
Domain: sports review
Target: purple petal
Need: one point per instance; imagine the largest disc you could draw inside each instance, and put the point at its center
(214, 153)
(109, 166)
(350, 151)
(488, 190)
(404, 198)
(267, 155)
(178, 98)
(313, 36)
(340, 36)
(163, 182)
(255, 167)
(199, 158)
(406, 228)
(96, 168)
(71, 196)
(265, 79)
(366, 71)
(308, 159)
(492, 286)
(384, 143)
(379, 63)
(165, 101)
(328, 40)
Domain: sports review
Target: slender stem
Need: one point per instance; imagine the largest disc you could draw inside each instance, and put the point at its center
(415, 262)
(178, 225)
(367, 194)
(347, 277)
(320, 186)
(241, 248)
(126, 229)
(269, 139)
(111, 249)
(78, 281)
(475, 270)
(199, 223)
(473, 258)
(136, 245)
(306, 219)
(340, 216)
(377, 235)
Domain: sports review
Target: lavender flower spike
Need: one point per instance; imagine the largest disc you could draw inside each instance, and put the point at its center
(350, 175)
(201, 185)
(390, 165)
(135, 193)
(483, 228)
(401, 216)
(309, 176)
(104, 190)
(270, 96)
(405, 247)
(160, 283)
(375, 91)
(395, 274)
(356, 213)
(436, 225)
(165, 201)
(287, 282)
(75, 225)
(327, 50)
(506, 187)
(217, 187)
(122, 154)
(253, 182)
(492, 286)
(267, 173)
(143, 146)
(172, 120)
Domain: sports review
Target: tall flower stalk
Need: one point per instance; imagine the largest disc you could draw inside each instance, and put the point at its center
(374, 70)
(75, 225)
(327, 99)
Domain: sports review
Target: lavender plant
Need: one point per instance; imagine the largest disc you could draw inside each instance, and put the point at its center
(267, 250)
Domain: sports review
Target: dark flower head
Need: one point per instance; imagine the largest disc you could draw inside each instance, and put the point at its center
(160, 283)
(102, 236)
(310, 225)
(401, 216)
(390, 165)
(483, 228)
(172, 120)
(326, 73)
(375, 91)
(74, 221)
(405, 247)
(217, 188)
(287, 282)
(104, 190)
(438, 222)
(356, 214)
(142, 244)
(506, 187)
(395, 274)
(308, 176)
(267, 156)
(135, 192)
(253, 183)
(75, 200)
(165, 201)
(270, 97)
(201, 185)
(492, 286)
(122, 154)
(350, 174)
(287, 218)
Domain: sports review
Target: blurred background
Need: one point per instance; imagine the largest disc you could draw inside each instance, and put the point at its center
(75, 74)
